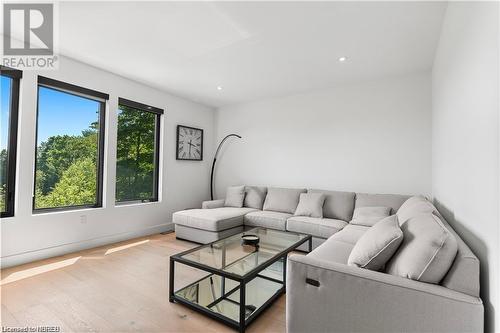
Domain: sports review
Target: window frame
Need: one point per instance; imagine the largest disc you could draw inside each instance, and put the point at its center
(157, 144)
(15, 75)
(82, 92)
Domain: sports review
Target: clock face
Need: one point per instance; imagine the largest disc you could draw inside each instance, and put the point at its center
(189, 143)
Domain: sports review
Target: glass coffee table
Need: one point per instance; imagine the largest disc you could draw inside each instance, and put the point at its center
(239, 281)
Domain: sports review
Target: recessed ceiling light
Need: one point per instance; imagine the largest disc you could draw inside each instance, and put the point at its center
(342, 59)
(219, 88)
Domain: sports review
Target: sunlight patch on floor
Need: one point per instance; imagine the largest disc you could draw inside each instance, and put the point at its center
(26, 273)
(124, 247)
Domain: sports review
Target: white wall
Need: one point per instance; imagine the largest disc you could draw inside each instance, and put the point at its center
(27, 237)
(465, 123)
(367, 137)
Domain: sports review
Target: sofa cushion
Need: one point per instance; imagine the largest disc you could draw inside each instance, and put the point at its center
(235, 196)
(368, 216)
(267, 219)
(377, 245)
(427, 251)
(350, 234)
(317, 227)
(284, 200)
(414, 206)
(380, 200)
(338, 205)
(310, 204)
(254, 197)
(215, 219)
(332, 251)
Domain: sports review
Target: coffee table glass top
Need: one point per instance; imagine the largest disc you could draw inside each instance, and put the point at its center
(229, 255)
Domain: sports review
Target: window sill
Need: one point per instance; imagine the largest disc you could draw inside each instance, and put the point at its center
(54, 211)
(135, 203)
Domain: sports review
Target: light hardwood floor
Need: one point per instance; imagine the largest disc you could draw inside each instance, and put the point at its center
(115, 288)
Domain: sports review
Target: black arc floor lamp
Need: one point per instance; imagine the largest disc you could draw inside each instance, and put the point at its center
(213, 163)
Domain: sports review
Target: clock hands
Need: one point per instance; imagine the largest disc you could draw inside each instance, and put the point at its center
(195, 146)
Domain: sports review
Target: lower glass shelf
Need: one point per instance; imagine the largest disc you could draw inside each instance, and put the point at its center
(222, 295)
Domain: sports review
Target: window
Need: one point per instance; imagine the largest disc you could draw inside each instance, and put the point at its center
(69, 146)
(9, 92)
(137, 152)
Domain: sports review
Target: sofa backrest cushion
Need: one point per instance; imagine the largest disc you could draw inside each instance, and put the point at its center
(427, 251)
(255, 196)
(369, 216)
(414, 206)
(283, 200)
(338, 205)
(380, 200)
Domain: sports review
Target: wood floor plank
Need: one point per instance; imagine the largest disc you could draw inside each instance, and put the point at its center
(7, 318)
(40, 315)
(121, 287)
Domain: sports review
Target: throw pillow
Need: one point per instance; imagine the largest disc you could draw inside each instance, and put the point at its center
(235, 196)
(414, 206)
(310, 204)
(427, 251)
(369, 216)
(254, 197)
(338, 205)
(377, 245)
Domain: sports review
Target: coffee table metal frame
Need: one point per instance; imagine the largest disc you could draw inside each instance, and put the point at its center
(242, 280)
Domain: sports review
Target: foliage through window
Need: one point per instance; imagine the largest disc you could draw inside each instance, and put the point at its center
(137, 152)
(69, 148)
(9, 92)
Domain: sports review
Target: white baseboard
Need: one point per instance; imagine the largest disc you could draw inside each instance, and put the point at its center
(25, 257)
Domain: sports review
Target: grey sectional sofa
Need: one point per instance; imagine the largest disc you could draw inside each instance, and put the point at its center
(214, 221)
(346, 298)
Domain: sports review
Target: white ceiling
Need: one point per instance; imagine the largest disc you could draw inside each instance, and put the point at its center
(254, 50)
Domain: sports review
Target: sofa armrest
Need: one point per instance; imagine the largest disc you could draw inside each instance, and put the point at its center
(351, 299)
(212, 204)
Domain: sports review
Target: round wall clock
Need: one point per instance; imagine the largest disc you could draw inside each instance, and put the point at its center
(189, 143)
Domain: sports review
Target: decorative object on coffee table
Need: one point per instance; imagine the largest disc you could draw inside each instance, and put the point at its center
(213, 163)
(250, 239)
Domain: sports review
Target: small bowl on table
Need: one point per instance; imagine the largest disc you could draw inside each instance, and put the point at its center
(250, 239)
